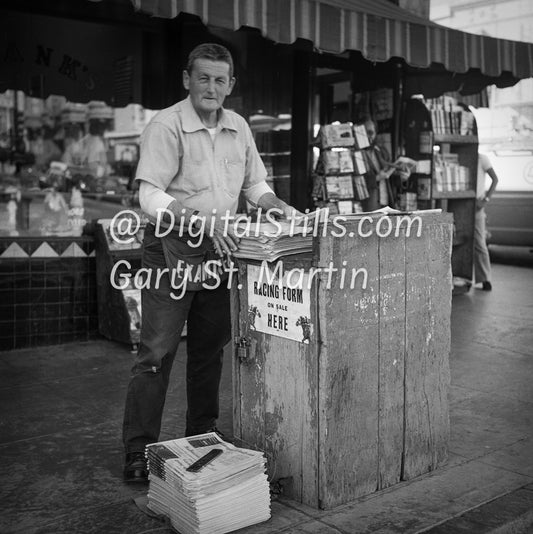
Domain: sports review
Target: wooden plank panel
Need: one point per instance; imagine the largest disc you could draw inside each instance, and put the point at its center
(250, 379)
(348, 373)
(391, 358)
(236, 333)
(278, 390)
(440, 248)
(310, 417)
(428, 310)
(290, 417)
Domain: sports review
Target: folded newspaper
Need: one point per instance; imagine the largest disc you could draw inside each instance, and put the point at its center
(228, 493)
(403, 165)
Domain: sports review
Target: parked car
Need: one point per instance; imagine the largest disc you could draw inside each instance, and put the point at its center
(510, 211)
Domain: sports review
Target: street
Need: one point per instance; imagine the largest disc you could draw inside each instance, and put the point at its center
(61, 466)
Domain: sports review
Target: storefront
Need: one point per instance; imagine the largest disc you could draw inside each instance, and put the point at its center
(299, 65)
(71, 76)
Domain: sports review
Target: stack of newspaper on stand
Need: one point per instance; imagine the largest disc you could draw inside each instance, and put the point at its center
(228, 493)
(270, 241)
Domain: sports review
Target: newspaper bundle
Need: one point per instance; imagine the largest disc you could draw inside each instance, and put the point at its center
(227, 494)
(269, 241)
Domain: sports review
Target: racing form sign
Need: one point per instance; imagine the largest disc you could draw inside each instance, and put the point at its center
(280, 303)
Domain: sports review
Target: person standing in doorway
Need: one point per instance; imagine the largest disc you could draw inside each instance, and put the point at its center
(482, 270)
(196, 158)
(379, 170)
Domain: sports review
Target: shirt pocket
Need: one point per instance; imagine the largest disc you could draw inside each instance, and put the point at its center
(234, 169)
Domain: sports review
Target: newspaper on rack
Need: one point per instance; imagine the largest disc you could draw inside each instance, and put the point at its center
(227, 494)
(403, 165)
(387, 210)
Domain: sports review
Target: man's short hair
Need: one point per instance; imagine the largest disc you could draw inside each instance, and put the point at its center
(213, 52)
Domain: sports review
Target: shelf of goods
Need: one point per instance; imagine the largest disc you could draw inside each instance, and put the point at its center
(451, 128)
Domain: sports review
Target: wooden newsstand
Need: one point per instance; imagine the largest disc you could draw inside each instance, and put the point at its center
(346, 389)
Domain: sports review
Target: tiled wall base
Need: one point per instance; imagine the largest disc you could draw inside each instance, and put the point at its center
(47, 292)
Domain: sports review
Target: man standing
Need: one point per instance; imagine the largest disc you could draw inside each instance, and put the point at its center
(377, 162)
(196, 158)
(482, 269)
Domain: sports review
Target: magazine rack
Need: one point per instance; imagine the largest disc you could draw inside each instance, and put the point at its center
(345, 389)
(119, 310)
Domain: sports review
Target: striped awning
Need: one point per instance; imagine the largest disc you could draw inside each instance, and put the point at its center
(378, 29)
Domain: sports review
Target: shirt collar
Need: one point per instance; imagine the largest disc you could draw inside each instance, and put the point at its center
(191, 122)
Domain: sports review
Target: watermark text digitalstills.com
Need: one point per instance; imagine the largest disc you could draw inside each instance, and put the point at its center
(126, 223)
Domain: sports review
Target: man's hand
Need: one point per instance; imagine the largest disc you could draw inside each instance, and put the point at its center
(223, 238)
(269, 201)
(288, 212)
(221, 233)
(382, 175)
(481, 203)
(404, 175)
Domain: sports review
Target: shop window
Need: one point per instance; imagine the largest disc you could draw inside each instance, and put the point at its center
(64, 165)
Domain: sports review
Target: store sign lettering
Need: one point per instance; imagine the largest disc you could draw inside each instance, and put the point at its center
(64, 64)
(12, 54)
(43, 58)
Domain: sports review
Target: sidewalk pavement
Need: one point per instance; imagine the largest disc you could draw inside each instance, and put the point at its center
(61, 467)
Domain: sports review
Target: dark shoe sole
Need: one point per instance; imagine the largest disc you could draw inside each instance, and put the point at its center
(136, 471)
(135, 480)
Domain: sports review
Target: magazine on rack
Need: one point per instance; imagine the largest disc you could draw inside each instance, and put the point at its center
(336, 135)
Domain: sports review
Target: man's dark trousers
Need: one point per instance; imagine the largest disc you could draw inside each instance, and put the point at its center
(208, 330)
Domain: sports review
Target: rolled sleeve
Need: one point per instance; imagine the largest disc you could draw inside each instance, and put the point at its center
(151, 198)
(161, 152)
(485, 162)
(255, 192)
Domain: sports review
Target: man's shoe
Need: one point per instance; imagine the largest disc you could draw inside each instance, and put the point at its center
(486, 286)
(136, 469)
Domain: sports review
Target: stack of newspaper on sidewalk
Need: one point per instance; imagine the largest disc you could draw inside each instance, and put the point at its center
(270, 241)
(228, 493)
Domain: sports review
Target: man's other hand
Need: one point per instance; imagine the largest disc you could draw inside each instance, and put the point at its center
(223, 237)
(282, 210)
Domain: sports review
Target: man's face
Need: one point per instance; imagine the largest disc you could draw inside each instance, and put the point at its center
(208, 84)
(370, 128)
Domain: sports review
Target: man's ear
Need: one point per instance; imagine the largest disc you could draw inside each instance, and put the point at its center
(231, 85)
(186, 80)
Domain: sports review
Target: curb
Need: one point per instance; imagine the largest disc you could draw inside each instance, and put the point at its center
(510, 514)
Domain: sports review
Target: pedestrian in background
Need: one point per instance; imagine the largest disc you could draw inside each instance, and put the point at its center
(482, 269)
